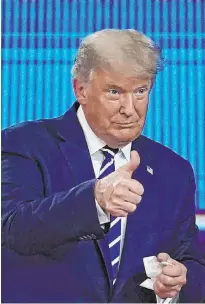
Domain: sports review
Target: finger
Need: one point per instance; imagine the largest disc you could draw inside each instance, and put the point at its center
(133, 185)
(163, 257)
(119, 204)
(132, 165)
(133, 198)
(165, 288)
(169, 281)
(128, 207)
(172, 271)
(119, 212)
(129, 196)
(159, 287)
(165, 292)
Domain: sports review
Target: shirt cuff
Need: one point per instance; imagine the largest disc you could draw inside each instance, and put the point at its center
(102, 215)
(168, 300)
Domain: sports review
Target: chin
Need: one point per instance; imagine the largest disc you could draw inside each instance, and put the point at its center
(120, 137)
(127, 135)
(121, 141)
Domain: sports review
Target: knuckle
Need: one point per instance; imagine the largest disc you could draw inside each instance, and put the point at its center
(113, 195)
(183, 281)
(114, 202)
(110, 210)
(138, 199)
(160, 278)
(172, 294)
(160, 286)
(122, 213)
(162, 256)
(184, 269)
(123, 183)
(168, 280)
(119, 191)
(142, 190)
(115, 212)
(156, 287)
(133, 207)
(130, 207)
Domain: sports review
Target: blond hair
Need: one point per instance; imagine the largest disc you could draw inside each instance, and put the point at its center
(126, 51)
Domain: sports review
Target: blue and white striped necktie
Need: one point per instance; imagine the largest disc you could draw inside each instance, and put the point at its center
(114, 234)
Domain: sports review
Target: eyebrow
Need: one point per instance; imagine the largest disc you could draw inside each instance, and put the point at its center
(112, 85)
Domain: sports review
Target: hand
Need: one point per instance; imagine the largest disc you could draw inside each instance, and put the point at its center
(117, 193)
(170, 281)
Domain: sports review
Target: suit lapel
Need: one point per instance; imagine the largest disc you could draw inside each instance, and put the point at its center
(75, 151)
(74, 147)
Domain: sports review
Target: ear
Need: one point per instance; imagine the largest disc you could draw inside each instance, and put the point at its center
(80, 91)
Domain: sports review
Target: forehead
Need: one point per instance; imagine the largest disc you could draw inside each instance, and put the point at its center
(104, 78)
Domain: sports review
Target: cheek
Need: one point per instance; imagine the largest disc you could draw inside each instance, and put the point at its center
(109, 109)
(141, 108)
(102, 112)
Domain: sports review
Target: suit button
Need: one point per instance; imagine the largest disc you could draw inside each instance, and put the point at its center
(89, 237)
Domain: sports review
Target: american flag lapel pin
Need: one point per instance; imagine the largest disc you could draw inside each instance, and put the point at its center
(150, 170)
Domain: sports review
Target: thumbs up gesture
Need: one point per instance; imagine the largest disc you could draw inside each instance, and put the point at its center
(117, 193)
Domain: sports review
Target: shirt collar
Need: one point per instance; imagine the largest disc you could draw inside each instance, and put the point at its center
(126, 150)
(94, 143)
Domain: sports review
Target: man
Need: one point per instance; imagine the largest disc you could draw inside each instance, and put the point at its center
(86, 197)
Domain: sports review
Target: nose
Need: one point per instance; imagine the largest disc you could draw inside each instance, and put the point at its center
(127, 105)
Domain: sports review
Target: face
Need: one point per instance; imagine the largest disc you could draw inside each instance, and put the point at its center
(115, 106)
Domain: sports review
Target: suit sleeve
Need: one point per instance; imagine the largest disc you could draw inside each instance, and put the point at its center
(35, 224)
(188, 251)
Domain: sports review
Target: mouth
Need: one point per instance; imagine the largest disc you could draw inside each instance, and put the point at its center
(127, 124)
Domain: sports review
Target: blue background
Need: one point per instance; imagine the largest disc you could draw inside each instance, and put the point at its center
(39, 43)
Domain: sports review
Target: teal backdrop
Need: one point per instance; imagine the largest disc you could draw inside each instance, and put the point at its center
(39, 43)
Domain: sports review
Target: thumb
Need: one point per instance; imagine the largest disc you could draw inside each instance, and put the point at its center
(163, 257)
(132, 164)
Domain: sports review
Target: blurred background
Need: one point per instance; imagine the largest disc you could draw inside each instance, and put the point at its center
(39, 43)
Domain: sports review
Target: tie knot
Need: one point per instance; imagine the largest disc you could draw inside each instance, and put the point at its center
(109, 152)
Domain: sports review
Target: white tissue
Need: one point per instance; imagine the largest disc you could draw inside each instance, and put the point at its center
(152, 269)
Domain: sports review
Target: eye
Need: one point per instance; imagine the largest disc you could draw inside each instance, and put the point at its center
(113, 91)
(141, 91)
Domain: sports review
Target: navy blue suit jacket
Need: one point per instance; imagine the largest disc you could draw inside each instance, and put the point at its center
(54, 249)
